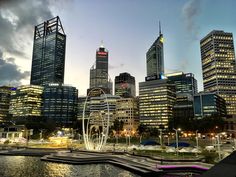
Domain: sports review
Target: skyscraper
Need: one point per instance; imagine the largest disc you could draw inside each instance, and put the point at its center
(48, 59)
(155, 57)
(125, 85)
(99, 71)
(218, 67)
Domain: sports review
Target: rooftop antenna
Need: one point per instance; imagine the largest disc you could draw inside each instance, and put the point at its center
(102, 46)
(159, 27)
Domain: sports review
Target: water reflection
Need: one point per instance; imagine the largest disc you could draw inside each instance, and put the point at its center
(20, 166)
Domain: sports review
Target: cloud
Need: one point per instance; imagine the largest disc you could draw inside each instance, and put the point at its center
(190, 11)
(10, 72)
(17, 21)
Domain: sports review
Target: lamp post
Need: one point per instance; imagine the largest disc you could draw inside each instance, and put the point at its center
(197, 139)
(177, 143)
(218, 145)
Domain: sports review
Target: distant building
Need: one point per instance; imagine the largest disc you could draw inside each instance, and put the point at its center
(48, 61)
(183, 108)
(26, 101)
(5, 94)
(99, 72)
(60, 104)
(209, 104)
(125, 85)
(155, 58)
(14, 132)
(127, 112)
(218, 67)
(185, 83)
(156, 101)
(99, 109)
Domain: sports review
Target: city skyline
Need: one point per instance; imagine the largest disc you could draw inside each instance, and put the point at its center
(127, 39)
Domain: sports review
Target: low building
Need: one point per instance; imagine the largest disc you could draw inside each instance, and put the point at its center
(208, 104)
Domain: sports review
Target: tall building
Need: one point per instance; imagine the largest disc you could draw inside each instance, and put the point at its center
(156, 101)
(5, 93)
(26, 101)
(184, 83)
(209, 104)
(218, 67)
(125, 85)
(127, 112)
(48, 61)
(60, 104)
(155, 57)
(99, 72)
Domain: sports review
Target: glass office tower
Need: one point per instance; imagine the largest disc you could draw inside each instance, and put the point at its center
(48, 61)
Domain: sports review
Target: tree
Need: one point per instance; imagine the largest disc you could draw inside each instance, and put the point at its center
(141, 129)
(117, 126)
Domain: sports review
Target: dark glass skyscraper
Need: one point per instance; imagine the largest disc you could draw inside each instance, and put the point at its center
(155, 58)
(48, 59)
(125, 85)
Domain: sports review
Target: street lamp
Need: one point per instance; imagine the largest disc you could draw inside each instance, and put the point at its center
(177, 143)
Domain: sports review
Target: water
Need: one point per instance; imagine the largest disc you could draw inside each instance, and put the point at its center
(24, 166)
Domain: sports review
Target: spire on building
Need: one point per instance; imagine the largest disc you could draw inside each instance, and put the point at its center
(102, 46)
(159, 27)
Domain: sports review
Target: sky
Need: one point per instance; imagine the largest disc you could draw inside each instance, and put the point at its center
(126, 27)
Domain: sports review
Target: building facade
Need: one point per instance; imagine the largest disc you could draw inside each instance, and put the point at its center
(60, 104)
(48, 61)
(5, 94)
(155, 58)
(26, 101)
(209, 104)
(125, 85)
(218, 67)
(127, 112)
(156, 101)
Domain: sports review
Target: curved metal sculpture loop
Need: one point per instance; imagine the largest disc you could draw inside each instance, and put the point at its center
(101, 135)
